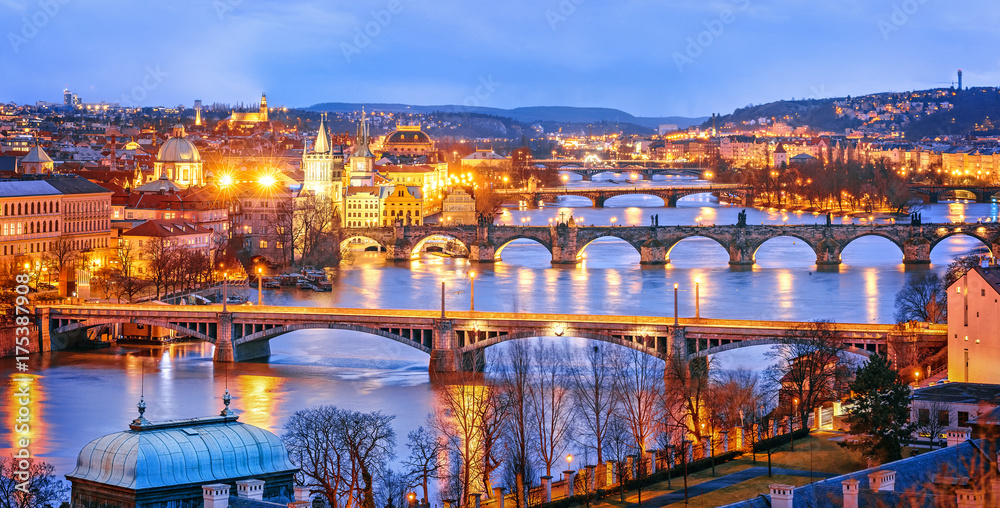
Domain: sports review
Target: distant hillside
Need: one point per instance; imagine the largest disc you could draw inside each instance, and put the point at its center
(528, 115)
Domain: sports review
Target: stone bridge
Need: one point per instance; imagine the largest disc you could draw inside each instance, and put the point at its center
(455, 340)
(933, 193)
(567, 242)
(599, 195)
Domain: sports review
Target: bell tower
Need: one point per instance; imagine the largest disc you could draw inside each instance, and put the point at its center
(263, 107)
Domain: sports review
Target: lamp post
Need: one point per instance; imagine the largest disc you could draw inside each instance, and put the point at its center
(697, 299)
(225, 290)
(260, 286)
(472, 293)
(442, 297)
(569, 461)
(675, 304)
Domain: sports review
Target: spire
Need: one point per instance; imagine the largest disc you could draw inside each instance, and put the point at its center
(322, 138)
(140, 421)
(362, 149)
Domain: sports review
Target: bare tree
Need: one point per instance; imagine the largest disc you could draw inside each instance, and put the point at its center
(127, 280)
(424, 460)
(687, 386)
(161, 264)
(341, 452)
(639, 384)
(41, 488)
(928, 420)
(550, 404)
(61, 257)
(923, 298)
(596, 400)
(515, 378)
(810, 369)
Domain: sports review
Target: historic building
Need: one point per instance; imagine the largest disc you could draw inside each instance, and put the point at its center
(363, 206)
(362, 161)
(174, 464)
(323, 167)
(458, 209)
(402, 205)
(36, 162)
(179, 160)
(974, 327)
(251, 116)
(407, 140)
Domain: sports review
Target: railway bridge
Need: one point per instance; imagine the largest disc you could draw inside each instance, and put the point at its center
(599, 195)
(455, 340)
(567, 241)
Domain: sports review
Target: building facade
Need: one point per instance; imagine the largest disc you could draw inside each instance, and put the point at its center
(974, 327)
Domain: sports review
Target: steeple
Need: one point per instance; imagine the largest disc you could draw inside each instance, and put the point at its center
(322, 138)
(363, 139)
(263, 107)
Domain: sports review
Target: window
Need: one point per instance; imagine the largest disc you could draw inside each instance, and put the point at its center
(963, 418)
(923, 416)
(944, 418)
(263, 244)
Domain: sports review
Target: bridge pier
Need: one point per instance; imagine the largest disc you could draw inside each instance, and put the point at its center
(828, 253)
(671, 200)
(564, 246)
(653, 252)
(917, 251)
(443, 357)
(599, 201)
(740, 250)
(224, 340)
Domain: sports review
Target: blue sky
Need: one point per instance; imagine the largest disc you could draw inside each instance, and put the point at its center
(672, 57)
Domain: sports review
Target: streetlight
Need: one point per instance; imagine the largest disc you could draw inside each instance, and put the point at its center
(697, 298)
(472, 294)
(675, 304)
(442, 297)
(613, 220)
(569, 462)
(260, 286)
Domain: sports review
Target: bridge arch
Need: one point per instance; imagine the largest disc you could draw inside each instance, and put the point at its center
(952, 233)
(760, 342)
(483, 344)
(271, 333)
(670, 244)
(895, 241)
(507, 241)
(418, 243)
(589, 241)
(345, 241)
(638, 192)
(92, 322)
(802, 238)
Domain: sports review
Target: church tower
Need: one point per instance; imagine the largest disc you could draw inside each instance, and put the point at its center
(263, 107)
(323, 167)
(362, 159)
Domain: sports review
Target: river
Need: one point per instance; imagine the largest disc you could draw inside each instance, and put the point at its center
(82, 395)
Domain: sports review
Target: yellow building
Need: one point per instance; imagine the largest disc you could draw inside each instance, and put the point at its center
(458, 209)
(407, 140)
(404, 205)
(252, 116)
(363, 206)
(179, 161)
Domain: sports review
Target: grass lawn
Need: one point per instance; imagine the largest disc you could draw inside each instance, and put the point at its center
(815, 453)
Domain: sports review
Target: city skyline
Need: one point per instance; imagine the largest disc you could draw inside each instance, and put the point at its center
(685, 59)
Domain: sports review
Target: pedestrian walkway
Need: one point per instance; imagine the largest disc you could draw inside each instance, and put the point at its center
(726, 481)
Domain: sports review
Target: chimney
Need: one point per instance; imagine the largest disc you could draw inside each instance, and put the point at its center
(781, 495)
(850, 493)
(302, 493)
(250, 489)
(968, 498)
(215, 495)
(957, 435)
(884, 480)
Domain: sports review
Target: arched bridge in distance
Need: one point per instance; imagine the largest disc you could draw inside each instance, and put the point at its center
(670, 194)
(456, 341)
(566, 242)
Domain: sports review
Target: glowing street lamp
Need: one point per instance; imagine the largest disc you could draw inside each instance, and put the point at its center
(675, 304)
(267, 180)
(697, 298)
(442, 297)
(569, 462)
(472, 294)
(260, 286)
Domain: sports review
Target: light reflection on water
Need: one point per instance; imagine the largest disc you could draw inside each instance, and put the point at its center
(83, 395)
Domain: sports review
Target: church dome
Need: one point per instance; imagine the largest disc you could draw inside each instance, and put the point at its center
(182, 452)
(407, 137)
(178, 150)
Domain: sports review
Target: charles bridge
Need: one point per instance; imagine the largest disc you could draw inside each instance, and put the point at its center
(455, 340)
(670, 194)
(566, 242)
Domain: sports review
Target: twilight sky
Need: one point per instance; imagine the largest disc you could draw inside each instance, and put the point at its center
(649, 58)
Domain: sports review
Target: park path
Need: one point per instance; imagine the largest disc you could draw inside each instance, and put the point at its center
(723, 482)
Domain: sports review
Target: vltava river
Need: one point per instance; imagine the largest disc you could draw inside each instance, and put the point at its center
(80, 396)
